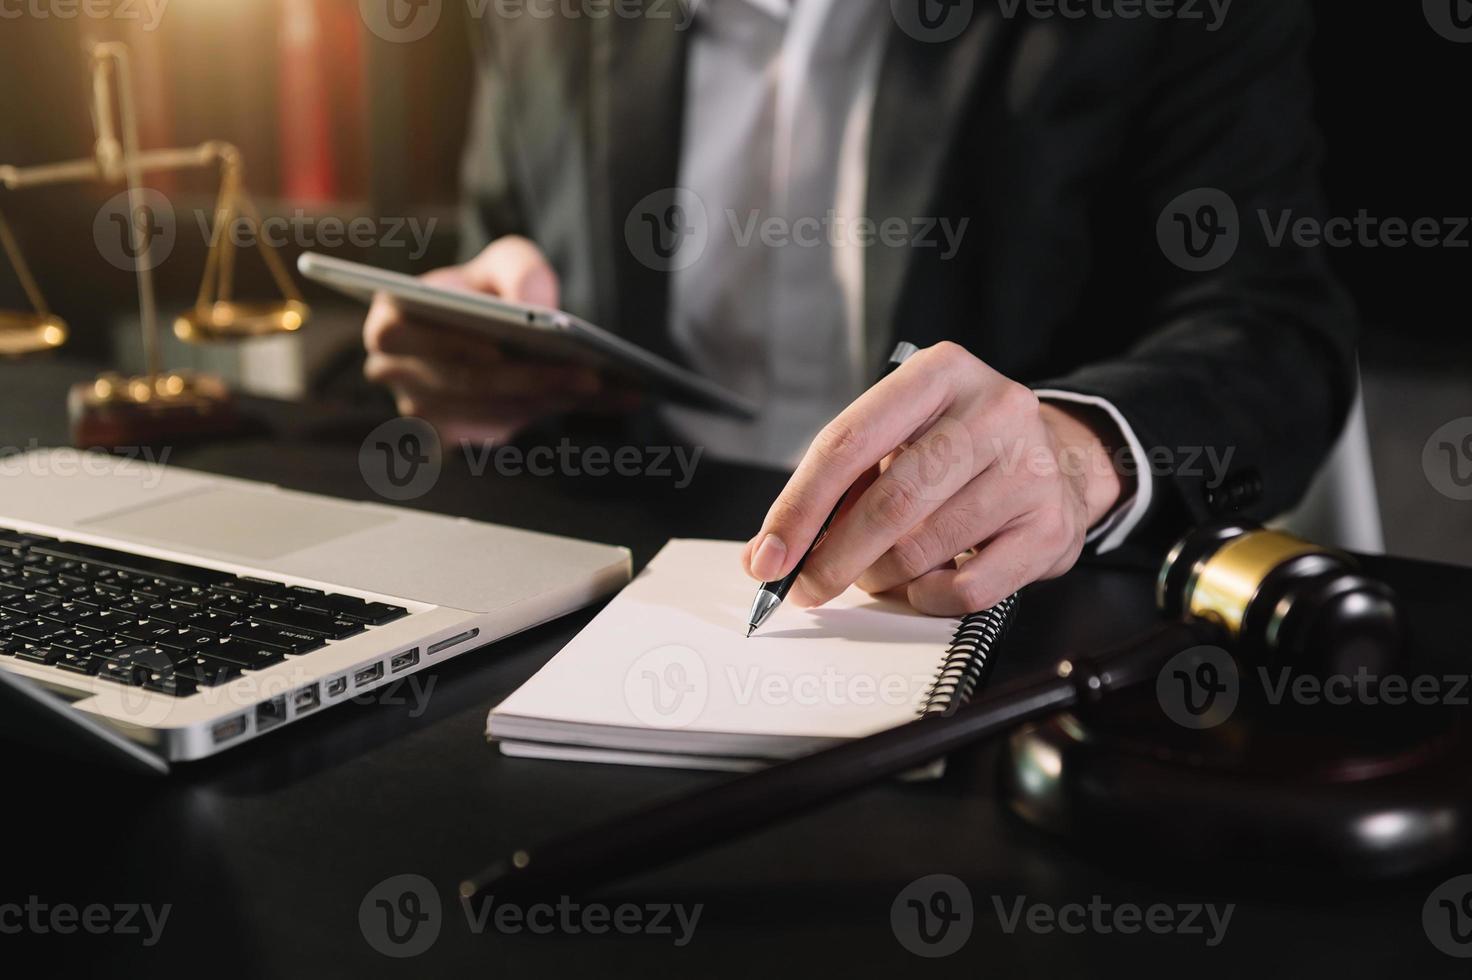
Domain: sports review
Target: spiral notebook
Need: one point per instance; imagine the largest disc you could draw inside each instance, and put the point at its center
(665, 675)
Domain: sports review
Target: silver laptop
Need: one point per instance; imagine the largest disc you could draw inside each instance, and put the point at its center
(194, 613)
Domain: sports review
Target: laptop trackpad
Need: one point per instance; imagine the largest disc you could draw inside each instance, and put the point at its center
(230, 523)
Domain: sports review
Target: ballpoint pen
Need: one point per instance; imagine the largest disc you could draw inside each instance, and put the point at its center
(772, 594)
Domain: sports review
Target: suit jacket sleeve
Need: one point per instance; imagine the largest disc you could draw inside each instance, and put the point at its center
(1246, 369)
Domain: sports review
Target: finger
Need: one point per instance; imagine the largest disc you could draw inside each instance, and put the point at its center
(863, 483)
(1005, 564)
(868, 430)
(514, 269)
(981, 509)
(919, 481)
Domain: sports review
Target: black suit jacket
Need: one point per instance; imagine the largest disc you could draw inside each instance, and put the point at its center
(1062, 142)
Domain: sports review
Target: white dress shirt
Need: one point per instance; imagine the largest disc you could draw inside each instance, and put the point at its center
(779, 102)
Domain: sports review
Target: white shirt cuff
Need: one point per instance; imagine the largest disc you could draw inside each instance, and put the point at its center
(1114, 529)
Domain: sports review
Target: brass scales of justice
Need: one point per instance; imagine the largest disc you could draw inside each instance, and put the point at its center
(117, 410)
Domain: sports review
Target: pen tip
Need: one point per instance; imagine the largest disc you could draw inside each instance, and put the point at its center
(750, 630)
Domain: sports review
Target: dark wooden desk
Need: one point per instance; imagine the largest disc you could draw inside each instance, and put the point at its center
(266, 853)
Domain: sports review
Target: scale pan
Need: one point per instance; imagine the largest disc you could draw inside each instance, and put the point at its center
(240, 321)
(30, 333)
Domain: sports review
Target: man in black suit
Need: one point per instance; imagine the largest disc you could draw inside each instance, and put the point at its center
(1067, 205)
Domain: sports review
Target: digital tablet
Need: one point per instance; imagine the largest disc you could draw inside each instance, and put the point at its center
(531, 331)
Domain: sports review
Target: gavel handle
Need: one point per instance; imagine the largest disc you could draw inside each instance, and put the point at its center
(658, 835)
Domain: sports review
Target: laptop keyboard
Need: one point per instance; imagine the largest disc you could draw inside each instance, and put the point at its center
(160, 625)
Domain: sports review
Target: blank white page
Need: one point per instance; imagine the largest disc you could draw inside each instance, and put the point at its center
(670, 654)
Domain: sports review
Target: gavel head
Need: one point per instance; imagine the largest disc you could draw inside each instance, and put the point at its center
(1281, 599)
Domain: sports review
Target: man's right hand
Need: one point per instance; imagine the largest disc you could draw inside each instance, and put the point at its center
(464, 384)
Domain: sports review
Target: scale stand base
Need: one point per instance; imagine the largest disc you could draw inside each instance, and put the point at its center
(1354, 792)
(116, 412)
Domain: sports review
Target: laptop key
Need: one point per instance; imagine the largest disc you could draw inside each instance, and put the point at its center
(172, 684)
(247, 656)
(185, 638)
(302, 593)
(80, 663)
(206, 671)
(351, 607)
(305, 619)
(107, 620)
(213, 622)
(66, 614)
(278, 638)
(38, 632)
(38, 654)
(29, 604)
(127, 674)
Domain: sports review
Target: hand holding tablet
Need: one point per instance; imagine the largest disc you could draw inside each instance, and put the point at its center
(481, 350)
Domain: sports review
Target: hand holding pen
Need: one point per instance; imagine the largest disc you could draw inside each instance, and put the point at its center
(989, 467)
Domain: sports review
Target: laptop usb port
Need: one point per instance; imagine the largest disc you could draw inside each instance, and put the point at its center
(270, 713)
(306, 699)
(228, 729)
(368, 675)
(404, 661)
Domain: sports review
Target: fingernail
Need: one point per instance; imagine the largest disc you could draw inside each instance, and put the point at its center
(766, 564)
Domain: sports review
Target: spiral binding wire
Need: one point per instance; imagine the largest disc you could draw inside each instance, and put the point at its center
(967, 659)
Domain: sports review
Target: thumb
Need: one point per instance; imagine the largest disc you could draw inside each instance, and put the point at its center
(514, 269)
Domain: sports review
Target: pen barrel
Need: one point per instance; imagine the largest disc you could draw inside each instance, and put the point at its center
(656, 836)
